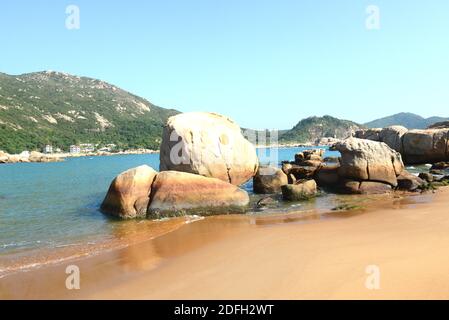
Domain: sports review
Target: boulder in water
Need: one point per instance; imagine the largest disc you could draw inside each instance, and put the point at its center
(428, 177)
(269, 180)
(409, 182)
(364, 187)
(286, 166)
(416, 146)
(302, 172)
(302, 190)
(129, 193)
(440, 166)
(175, 193)
(207, 144)
(426, 146)
(327, 176)
(366, 160)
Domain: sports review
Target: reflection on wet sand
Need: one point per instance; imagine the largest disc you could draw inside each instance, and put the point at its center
(107, 271)
(123, 233)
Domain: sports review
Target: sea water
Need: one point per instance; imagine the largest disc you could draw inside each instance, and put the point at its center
(56, 205)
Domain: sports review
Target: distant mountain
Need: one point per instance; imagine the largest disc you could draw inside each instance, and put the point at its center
(61, 109)
(315, 128)
(408, 120)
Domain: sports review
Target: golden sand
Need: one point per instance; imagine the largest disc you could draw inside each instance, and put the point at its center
(241, 257)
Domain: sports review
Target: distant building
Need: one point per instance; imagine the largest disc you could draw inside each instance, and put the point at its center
(87, 147)
(75, 149)
(108, 148)
(48, 149)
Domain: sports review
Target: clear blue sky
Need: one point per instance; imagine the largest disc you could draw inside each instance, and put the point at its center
(267, 64)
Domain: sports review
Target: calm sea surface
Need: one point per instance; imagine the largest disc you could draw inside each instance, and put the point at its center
(55, 205)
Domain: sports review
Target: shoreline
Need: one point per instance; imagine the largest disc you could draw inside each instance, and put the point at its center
(37, 157)
(58, 157)
(131, 232)
(128, 234)
(133, 270)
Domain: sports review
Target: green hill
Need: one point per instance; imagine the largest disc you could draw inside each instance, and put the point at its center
(314, 128)
(61, 109)
(406, 119)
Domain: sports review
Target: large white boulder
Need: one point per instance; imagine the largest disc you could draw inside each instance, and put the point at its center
(207, 144)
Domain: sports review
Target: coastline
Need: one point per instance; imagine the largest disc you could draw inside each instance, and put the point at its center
(57, 157)
(37, 157)
(312, 256)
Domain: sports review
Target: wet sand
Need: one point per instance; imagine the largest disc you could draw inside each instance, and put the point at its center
(319, 256)
(125, 233)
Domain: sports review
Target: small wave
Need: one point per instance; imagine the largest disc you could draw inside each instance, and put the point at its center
(30, 266)
(193, 218)
(23, 266)
(67, 245)
(59, 253)
(24, 244)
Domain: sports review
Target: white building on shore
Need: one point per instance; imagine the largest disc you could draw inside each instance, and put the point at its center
(75, 149)
(87, 147)
(48, 149)
(108, 148)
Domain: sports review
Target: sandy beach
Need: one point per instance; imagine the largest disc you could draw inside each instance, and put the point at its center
(241, 257)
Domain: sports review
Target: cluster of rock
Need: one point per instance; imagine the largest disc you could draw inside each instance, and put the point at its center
(440, 166)
(365, 167)
(143, 192)
(369, 167)
(27, 157)
(437, 175)
(294, 180)
(416, 146)
(204, 158)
